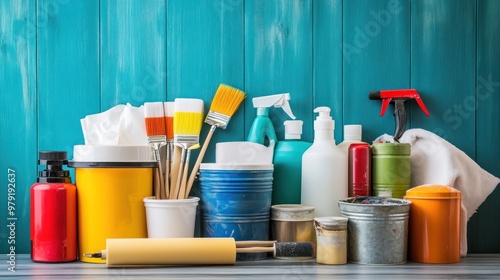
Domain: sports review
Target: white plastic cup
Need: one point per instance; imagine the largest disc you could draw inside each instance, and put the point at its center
(171, 218)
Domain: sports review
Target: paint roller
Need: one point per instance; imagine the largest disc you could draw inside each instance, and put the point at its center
(193, 251)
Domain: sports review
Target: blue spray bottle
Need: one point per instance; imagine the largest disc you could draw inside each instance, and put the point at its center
(262, 130)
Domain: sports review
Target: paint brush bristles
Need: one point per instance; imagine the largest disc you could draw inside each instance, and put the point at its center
(168, 108)
(226, 101)
(155, 130)
(188, 120)
(154, 118)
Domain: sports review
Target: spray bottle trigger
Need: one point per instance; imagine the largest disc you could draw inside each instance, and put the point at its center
(422, 106)
(385, 104)
(288, 110)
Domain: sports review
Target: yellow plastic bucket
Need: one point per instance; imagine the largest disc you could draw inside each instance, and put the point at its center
(111, 182)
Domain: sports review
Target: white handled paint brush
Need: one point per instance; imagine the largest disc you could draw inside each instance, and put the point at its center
(226, 101)
(155, 130)
(188, 119)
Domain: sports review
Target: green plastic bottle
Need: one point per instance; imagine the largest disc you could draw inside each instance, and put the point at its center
(288, 165)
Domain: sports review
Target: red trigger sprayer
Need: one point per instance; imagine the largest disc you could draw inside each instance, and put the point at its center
(399, 96)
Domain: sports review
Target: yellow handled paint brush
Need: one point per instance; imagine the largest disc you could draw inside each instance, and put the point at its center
(188, 120)
(226, 101)
(155, 130)
(168, 108)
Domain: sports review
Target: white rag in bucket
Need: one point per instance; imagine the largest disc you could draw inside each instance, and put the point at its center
(120, 125)
(436, 161)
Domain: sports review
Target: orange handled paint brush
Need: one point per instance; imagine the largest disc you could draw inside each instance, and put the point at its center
(155, 130)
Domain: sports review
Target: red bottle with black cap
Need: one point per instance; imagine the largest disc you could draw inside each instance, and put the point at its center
(53, 211)
(359, 166)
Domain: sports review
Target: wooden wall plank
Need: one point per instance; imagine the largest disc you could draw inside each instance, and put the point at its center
(443, 68)
(278, 59)
(205, 49)
(376, 56)
(133, 52)
(327, 61)
(487, 99)
(68, 71)
(18, 124)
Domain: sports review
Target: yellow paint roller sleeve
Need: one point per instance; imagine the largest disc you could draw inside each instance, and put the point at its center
(170, 251)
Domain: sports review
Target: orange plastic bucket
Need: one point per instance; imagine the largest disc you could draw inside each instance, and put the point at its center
(434, 226)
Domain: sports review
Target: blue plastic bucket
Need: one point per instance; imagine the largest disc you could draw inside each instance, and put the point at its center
(240, 228)
(234, 202)
(235, 190)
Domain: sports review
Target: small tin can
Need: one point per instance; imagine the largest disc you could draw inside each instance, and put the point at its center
(391, 169)
(331, 238)
(292, 223)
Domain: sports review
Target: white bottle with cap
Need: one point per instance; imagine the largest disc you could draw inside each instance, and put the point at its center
(288, 165)
(324, 169)
(352, 134)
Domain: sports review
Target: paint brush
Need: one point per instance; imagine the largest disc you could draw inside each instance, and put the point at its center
(188, 119)
(226, 101)
(155, 130)
(168, 108)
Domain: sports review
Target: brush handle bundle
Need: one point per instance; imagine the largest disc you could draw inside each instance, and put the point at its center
(191, 251)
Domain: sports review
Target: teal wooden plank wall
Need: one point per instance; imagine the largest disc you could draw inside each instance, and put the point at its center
(64, 59)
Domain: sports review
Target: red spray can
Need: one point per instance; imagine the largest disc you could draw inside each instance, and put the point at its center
(53, 211)
(359, 168)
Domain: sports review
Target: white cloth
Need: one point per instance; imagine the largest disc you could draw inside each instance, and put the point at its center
(120, 125)
(436, 161)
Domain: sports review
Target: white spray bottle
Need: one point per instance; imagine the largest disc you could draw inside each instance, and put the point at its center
(262, 130)
(324, 169)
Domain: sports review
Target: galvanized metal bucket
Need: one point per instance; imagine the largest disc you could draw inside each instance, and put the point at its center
(377, 229)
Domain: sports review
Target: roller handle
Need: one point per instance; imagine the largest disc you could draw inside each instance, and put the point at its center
(284, 250)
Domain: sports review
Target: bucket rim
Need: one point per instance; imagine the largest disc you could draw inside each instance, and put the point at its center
(235, 167)
(112, 164)
(397, 201)
(151, 201)
(226, 190)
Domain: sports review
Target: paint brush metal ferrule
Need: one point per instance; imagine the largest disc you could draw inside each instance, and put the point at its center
(157, 142)
(217, 119)
(186, 141)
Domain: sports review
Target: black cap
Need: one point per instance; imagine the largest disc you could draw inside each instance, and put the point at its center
(46, 157)
(54, 173)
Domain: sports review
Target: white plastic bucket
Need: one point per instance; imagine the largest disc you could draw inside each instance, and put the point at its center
(171, 218)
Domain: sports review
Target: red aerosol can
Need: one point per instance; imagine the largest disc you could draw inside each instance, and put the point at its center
(359, 168)
(53, 211)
